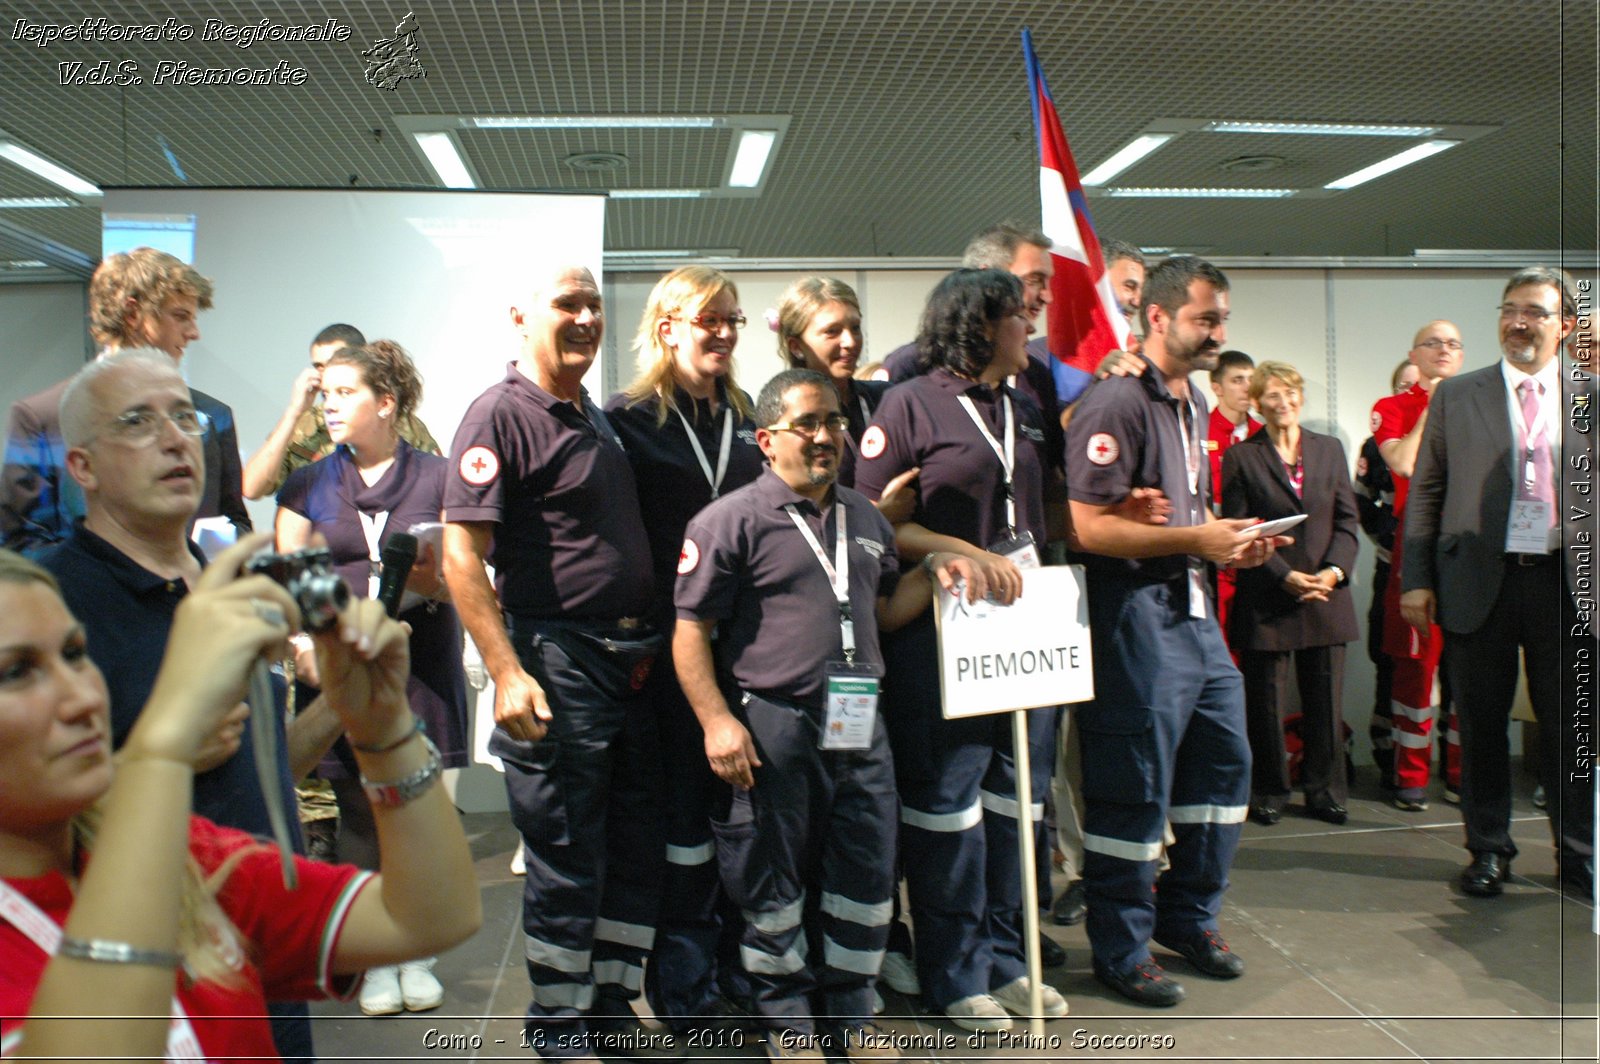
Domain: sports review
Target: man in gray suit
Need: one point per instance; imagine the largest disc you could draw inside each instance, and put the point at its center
(1499, 541)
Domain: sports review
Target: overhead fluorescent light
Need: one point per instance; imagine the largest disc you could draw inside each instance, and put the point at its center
(1135, 150)
(440, 148)
(24, 264)
(657, 193)
(42, 167)
(1199, 193)
(646, 253)
(1324, 129)
(1392, 163)
(22, 202)
(750, 161)
(596, 121)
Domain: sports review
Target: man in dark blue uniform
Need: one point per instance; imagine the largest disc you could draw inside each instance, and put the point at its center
(1165, 739)
(796, 575)
(542, 480)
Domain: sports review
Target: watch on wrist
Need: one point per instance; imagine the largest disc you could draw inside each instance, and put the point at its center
(394, 793)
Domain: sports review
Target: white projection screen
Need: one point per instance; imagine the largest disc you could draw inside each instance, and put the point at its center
(435, 271)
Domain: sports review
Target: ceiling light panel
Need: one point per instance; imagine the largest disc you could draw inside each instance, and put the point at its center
(1125, 157)
(40, 166)
(1197, 193)
(1392, 163)
(1323, 129)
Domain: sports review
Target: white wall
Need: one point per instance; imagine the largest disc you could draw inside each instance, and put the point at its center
(44, 337)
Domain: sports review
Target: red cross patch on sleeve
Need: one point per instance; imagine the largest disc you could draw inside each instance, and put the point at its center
(688, 557)
(873, 441)
(1103, 449)
(479, 466)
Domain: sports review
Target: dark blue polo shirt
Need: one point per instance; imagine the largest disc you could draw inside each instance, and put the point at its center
(860, 408)
(672, 485)
(1037, 382)
(553, 477)
(1124, 435)
(746, 566)
(126, 611)
(961, 490)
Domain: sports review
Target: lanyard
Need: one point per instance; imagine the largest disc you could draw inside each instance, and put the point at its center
(866, 419)
(1007, 454)
(1191, 450)
(372, 526)
(714, 479)
(838, 572)
(1530, 433)
(44, 933)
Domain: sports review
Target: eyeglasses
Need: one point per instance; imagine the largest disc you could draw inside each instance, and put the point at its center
(140, 427)
(1441, 345)
(713, 323)
(810, 425)
(1536, 315)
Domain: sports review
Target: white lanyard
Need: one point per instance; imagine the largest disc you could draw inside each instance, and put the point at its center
(1191, 452)
(866, 419)
(372, 526)
(46, 934)
(714, 479)
(1529, 434)
(1007, 454)
(838, 572)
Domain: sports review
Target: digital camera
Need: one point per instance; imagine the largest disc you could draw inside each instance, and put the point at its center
(309, 577)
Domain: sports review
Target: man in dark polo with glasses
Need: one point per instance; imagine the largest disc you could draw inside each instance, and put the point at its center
(1499, 541)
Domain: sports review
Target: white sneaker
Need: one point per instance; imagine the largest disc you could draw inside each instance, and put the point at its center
(980, 1012)
(519, 862)
(1013, 997)
(380, 991)
(900, 974)
(877, 1003)
(419, 989)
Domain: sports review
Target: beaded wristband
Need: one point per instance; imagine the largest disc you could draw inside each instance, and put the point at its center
(106, 951)
(416, 726)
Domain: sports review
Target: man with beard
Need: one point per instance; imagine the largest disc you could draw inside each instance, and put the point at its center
(797, 575)
(1498, 563)
(1398, 422)
(1165, 738)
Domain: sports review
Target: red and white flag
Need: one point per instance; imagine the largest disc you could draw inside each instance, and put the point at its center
(1084, 319)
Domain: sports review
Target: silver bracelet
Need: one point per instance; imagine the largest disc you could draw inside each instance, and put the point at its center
(393, 793)
(108, 952)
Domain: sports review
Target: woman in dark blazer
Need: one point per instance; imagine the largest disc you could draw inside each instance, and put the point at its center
(1297, 606)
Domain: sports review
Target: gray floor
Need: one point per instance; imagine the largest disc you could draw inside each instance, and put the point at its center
(1358, 943)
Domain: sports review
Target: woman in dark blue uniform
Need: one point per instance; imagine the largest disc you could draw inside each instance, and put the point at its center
(687, 429)
(819, 327)
(980, 446)
(371, 487)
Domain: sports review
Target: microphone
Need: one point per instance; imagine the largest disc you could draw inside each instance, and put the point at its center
(399, 555)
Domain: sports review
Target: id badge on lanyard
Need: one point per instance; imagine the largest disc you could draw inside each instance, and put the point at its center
(1196, 575)
(1020, 547)
(850, 708)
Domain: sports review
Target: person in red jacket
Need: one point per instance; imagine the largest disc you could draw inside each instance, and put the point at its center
(1398, 422)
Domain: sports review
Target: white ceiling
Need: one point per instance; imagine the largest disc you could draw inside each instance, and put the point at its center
(909, 121)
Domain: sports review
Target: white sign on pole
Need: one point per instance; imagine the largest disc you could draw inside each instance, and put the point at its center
(1034, 652)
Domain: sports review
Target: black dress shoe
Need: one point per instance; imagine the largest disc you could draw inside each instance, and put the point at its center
(1328, 811)
(1576, 874)
(1265, 814)
(1145, 984)
(1051, 955)
(1484, 875)
(1209, 954)
(1070, 909)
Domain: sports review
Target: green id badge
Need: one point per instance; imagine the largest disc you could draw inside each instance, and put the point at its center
(850, 708)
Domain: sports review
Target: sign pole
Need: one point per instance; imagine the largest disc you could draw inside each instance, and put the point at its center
(1030, 884)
